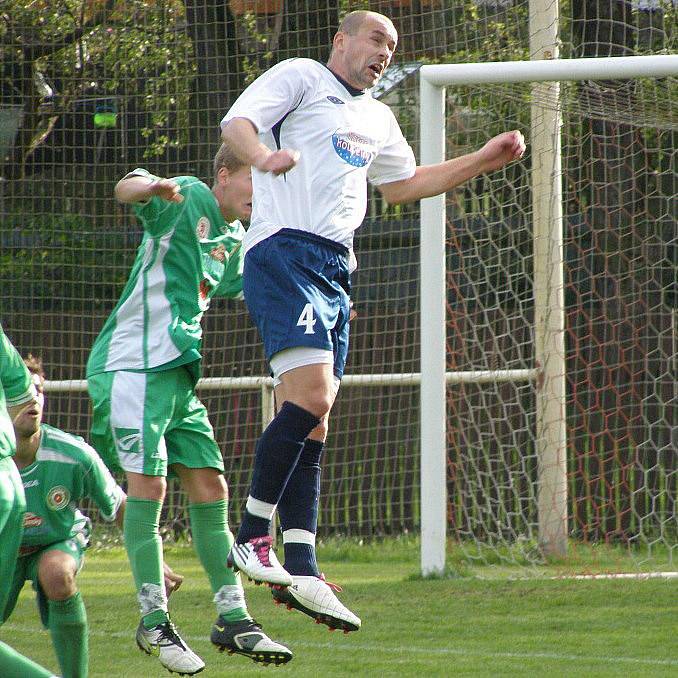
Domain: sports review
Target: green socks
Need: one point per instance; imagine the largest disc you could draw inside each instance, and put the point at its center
(144, 550)
(213, 539)
(68, 628)
(15, 665)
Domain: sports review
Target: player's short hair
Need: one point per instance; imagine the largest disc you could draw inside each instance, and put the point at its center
(34, 365)
(351, 23)
(226, 158)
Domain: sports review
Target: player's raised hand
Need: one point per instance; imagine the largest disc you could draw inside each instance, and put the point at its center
(279, 162)
(501, 150)
(166, 189)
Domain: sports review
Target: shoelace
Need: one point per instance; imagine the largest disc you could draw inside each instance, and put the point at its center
(262, 547)
(334, 587)
(169, 632)
(256, 625)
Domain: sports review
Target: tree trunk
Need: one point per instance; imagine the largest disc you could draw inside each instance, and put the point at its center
(211, 31)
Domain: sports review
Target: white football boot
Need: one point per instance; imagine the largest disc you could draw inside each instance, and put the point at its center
(258, 561)
(315, 597)
(164, 642)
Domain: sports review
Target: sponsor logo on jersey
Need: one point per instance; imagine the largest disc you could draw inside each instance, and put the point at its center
(31, 483)
(335, 100)
(352, 148)
(218, 253)
(58, 498)
(202, 229)
(31, 520)
(128, 440)
(28, 550)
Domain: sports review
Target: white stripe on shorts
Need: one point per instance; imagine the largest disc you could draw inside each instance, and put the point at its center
(128, 394)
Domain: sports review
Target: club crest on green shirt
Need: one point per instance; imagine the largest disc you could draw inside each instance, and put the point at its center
(58, 498)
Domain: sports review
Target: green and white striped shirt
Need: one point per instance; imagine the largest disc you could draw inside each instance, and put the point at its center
(189, 254)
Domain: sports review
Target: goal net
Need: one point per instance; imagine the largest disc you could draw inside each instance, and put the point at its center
(587, 302)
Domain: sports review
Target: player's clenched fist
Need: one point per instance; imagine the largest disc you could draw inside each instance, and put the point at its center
(167, 189)
(172, 580)
(279, 162)
(501, 150)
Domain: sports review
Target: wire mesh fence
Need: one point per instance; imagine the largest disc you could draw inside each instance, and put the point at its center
(91, 89)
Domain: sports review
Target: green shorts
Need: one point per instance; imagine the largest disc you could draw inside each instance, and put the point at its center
(144, 422)
(12, 509)
(27, 570)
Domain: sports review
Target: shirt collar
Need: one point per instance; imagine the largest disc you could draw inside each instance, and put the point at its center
(353, 91)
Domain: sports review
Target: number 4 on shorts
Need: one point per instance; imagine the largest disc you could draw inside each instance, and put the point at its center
(306, 319)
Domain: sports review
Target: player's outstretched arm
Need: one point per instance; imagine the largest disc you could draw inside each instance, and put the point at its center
(240, 135)
(429, 180)
(141, 189)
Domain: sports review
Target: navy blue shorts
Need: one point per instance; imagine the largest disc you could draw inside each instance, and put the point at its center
(297, 290)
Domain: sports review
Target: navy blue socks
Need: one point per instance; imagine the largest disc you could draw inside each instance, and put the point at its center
(298, 511)
(277, 453)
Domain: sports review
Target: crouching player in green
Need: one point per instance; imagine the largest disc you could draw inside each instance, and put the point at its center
(58, 470)
(16, 394)
(147, 419)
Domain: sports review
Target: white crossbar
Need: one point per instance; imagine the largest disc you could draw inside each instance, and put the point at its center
(545, 70)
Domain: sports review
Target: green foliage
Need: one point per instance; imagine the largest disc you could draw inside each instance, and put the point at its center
(61, 262)
(346, 6)
(253, 65)
(502, 36)
(134, 50)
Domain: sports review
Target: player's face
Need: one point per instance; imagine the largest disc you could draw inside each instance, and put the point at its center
(28, 416)
(369, 52)
(235, 200)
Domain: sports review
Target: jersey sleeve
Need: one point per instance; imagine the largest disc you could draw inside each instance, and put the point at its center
(231, 282)
(157, 216)
(14, 375)
(100, 486)
(395, 160)
(271, 96)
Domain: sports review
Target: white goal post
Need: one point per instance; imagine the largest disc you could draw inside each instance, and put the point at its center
(547, 211)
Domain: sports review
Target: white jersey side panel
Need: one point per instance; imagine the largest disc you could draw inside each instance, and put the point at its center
(344, 140)
(145, 313)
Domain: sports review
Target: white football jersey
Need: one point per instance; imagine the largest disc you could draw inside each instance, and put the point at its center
(344, 138)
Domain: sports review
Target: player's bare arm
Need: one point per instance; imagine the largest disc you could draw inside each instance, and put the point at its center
(430, 180)
(141, 188)
(240, 135)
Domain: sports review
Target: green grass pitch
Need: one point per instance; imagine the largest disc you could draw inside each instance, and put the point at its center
(411, 627)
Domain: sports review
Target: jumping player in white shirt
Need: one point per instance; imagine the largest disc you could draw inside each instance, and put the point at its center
(314, 136)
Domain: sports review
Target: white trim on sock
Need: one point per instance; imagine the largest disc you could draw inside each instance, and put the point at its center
(299, 537)
(259, 508)
(152, 597)
(230, 597)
